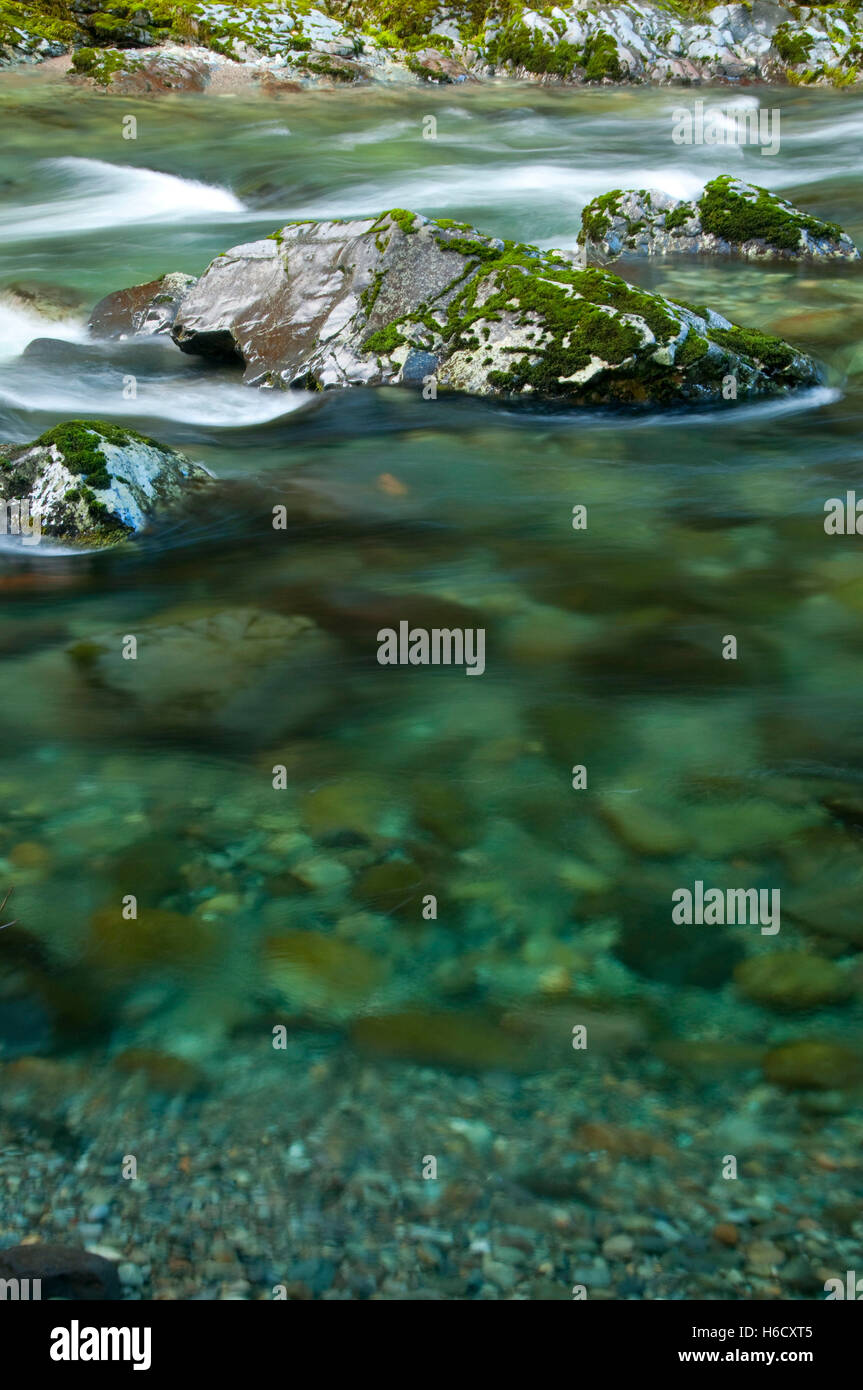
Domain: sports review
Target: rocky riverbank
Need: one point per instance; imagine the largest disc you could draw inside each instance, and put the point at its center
(179, 45)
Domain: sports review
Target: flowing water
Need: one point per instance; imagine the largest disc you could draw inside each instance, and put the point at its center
(308, 904)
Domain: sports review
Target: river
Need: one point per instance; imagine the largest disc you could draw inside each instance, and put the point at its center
(606, 648)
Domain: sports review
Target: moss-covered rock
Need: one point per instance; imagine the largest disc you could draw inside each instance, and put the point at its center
(89, 482)
(730, 217)
(125, 74)
(403, 300)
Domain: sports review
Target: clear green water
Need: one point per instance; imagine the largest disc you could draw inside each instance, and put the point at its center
(604, 646)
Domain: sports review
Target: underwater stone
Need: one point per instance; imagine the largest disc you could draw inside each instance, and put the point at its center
(163, 1072)
(321, 974)
(158, 937)
(813, 1063)
(792, 980)
(66, 1271)
(462, 1041)
(654, 946)
(357, 805)
(396, 886)
(244, 672)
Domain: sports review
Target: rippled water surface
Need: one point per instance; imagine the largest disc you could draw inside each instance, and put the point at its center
(308, 906)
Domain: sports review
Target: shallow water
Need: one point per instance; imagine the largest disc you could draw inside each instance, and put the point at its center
(604, 646)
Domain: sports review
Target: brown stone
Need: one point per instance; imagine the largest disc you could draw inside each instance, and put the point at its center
(726, 1233)
(438, 67)
(464, 1042)
(814, 1063)
(148, 309)
(786, 980)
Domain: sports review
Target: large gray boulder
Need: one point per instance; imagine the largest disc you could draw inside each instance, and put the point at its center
(94, 484)
(729, 218)
(403, 300)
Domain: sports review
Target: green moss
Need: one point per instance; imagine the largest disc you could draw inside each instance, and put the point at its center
(770, 352)
(735, 218)
(403, 219)
(529, 49)
(694, 348)
(79, 442)
(322, 66)
(596, 218)
(792, 48)
(51, 20)
(677, 217)
(410, 24)
(471, 247)
(102, 63)
(385, 340)
(601, 59)
(368, 296)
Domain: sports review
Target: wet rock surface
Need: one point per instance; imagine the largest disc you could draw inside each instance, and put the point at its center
(402, 300)
(143, 309)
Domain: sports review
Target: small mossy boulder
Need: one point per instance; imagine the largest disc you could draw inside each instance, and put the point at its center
(729, 217)
(89, 482)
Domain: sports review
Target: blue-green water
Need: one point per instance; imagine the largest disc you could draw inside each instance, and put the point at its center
(309, 905)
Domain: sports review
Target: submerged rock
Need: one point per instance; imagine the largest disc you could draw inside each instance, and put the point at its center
(814, 1063)
(163, 1072)
(240, 671)
(729, 218)
(322, 974)
(792, 980)
(402, 300)
(461, 1041)
(93, 483)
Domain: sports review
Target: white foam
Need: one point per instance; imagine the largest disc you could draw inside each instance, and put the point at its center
(95, 194)
(186, 400)
(19, 326)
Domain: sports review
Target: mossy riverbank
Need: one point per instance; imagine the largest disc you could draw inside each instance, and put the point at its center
(461, 40)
